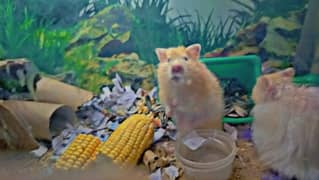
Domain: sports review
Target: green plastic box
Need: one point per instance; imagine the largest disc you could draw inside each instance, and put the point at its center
(246, 68)
(308, 80)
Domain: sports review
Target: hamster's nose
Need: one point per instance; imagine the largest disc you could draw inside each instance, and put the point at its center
(177, 69)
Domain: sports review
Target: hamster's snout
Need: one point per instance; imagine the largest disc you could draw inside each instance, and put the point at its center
(177, 69)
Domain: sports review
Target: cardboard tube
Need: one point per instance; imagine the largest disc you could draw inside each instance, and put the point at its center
(46, 120)
(15, 133)
(53, 91)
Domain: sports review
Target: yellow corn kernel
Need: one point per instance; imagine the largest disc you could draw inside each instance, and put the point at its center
(79, 152)
(126, 145)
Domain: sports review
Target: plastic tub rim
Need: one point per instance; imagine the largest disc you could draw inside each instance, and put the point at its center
(210, 169)
(219, 163)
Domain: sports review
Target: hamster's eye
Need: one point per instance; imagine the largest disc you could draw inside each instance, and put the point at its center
(169, 60)
(185, 58)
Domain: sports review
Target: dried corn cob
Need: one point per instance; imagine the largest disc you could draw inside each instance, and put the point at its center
(142, 107)
(80, 152)
(142, 110)
(128, 142)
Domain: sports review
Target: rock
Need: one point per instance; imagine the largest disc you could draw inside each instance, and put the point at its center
(244, 51)
(239, 51)
(117, 47)
(94, 51)
(18, 78)
(246, 41)
(253, 34)
(132, 56)
(285, 27)
(265, 19)
(220, 52)
(111, 24)
(276, 64)
(263, 54)
(68, 77)
(131, 69)
(284, 24)
(83, 60)
(271, 66)
(268, 38)
(98, 71)
(276, 44)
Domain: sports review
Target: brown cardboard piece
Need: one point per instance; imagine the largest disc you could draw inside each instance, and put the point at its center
(21, 122)
(53, 91)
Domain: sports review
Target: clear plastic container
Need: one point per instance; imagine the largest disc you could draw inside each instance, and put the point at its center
(213, 160)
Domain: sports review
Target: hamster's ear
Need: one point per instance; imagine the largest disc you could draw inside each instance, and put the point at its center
(193, 51)
(271, 90)
(161, 54)
(264, 83)
(289, 72)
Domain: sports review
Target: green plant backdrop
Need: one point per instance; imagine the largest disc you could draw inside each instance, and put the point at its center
(42, 31)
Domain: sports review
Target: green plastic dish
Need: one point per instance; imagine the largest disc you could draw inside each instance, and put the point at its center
(308, 80)
(246, 68)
